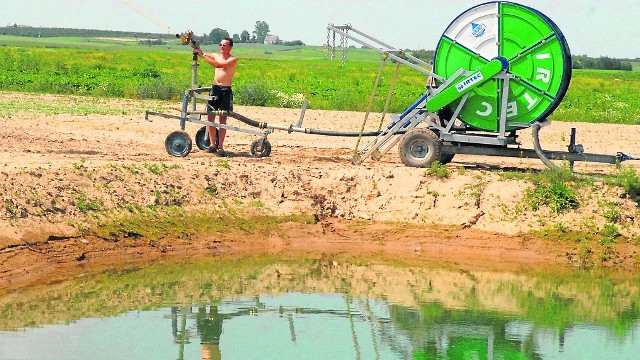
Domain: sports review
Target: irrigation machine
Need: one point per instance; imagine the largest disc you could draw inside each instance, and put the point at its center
(499, 67)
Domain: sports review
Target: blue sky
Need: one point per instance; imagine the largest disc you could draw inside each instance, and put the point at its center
(594, 28)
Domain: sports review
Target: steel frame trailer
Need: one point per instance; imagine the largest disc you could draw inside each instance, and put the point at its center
(499, 67)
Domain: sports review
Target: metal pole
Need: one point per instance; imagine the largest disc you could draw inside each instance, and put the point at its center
(194, 80)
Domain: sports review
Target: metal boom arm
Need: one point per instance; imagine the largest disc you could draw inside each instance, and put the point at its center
(382, 48)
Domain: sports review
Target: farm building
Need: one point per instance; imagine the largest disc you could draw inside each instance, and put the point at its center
(271, 40)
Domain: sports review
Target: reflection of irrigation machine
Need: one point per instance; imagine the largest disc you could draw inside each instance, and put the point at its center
(499, 67)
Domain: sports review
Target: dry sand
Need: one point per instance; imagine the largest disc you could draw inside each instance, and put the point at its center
(50, 164)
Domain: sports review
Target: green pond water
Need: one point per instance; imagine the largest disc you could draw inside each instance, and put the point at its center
(271, 308)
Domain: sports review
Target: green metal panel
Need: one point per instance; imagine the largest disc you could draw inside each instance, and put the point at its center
(541, 66)
(520, 28)
(452, 57)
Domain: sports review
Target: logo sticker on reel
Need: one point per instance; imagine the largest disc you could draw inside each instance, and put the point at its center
(477, 30)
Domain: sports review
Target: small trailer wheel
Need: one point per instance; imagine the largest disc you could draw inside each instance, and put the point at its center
(446, 158)
(261, 148)
(420, 148)
(178, 143)
(202, 138)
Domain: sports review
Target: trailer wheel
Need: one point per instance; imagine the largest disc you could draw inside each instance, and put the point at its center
(202, 138)
(420, 148)
(261, 148)
(178, 143)
(446, 158)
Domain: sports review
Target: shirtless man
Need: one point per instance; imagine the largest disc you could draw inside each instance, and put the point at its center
(225, 67)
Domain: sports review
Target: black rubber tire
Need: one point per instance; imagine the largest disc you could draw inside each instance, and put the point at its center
(260, 148)
(420, 148)
(446, 158)
(202, 139)
(178, 144)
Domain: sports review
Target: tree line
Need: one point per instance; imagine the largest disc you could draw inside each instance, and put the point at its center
(602, 63)
(258, 35)
(29, 31)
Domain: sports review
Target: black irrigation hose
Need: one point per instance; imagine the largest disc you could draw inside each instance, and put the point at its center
(291, 128)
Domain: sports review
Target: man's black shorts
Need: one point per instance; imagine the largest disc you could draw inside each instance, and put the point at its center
(222, 98)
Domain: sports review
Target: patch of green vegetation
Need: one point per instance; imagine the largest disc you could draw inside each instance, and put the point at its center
(278, 76)
(439, 170)
(154, 168)
(170, 196)
(175, 222)
(80, 166)
(601, 96)
(627, 178)
(10, 207)
(160, 73)
(555, 188)
(611, 211)
(559, 188)
(474, 190)
(224, 164)
(593, 241)
(133, 169)
(211, 189)
(515, 175)
(558, 196)
(85, 204)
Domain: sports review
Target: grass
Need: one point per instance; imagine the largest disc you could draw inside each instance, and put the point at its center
(439, 170)
(175, 222)
(602, 96)
(278, 76)
(554, 188)
(131, 73)
(86, 204)
(627, 178)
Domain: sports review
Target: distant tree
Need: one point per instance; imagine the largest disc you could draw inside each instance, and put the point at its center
(607, 63)
(425, 55)
(602, 63)
(261, 31)
(245, 37)
(293, 43)
(236, 38)
(217, 34)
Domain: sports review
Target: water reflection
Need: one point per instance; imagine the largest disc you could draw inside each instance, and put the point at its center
(323, 309)
(290, 326)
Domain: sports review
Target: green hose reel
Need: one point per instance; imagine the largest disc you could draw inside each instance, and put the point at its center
(533, 52)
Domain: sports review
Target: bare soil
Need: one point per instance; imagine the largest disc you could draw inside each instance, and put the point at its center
(61, 174)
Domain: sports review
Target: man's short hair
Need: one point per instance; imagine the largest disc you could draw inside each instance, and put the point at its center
(230, 40)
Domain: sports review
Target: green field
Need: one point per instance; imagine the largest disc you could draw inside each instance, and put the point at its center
(122, 68)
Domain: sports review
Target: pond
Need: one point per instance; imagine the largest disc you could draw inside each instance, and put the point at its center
(274, 308)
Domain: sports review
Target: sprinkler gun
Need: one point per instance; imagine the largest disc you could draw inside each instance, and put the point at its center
(188, 39)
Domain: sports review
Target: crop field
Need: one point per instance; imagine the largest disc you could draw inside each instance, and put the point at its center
(268, 75)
